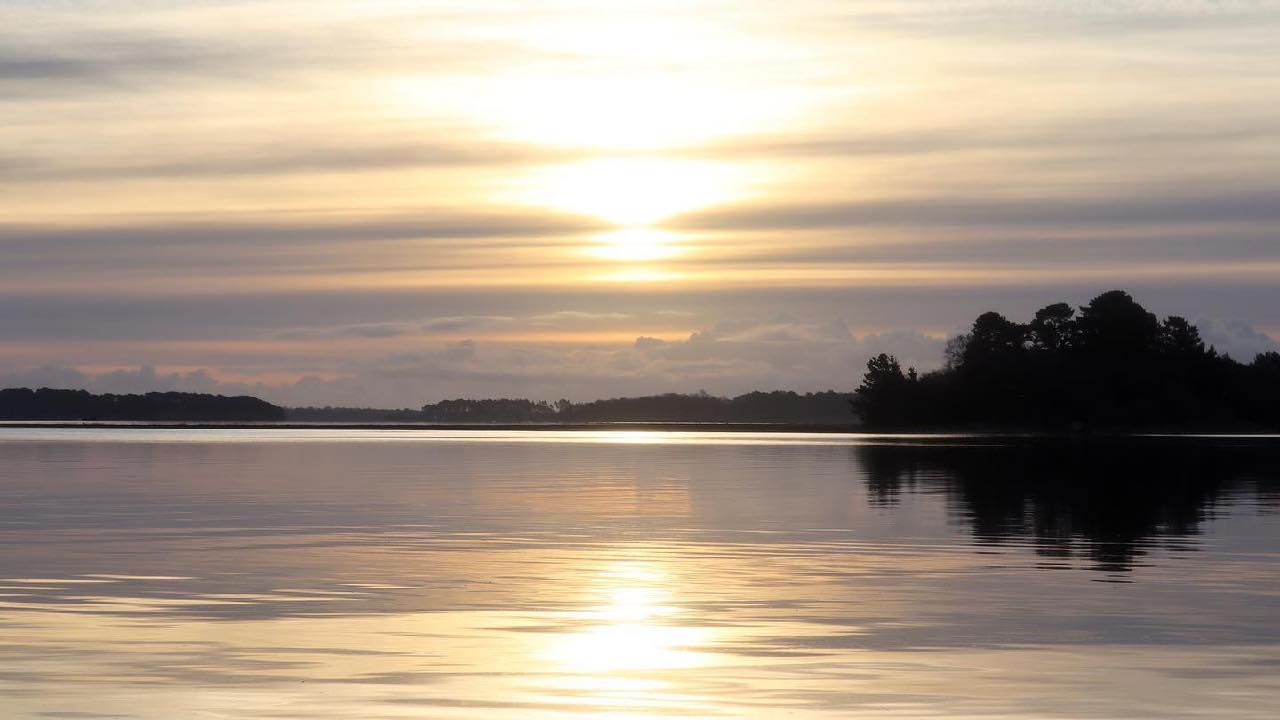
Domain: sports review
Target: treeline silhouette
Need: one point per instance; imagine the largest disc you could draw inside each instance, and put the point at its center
(827, 407)
(778, 407)
(48, 404)
(1110, 364)
(332, 414)
(1104, 502)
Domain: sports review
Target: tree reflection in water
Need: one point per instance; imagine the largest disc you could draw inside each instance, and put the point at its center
(1106, 501)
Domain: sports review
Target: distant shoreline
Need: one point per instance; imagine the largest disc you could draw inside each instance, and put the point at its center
(957, 433)
(236, 425)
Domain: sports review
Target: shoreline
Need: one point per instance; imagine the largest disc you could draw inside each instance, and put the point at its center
(286, 425)
(779, 428)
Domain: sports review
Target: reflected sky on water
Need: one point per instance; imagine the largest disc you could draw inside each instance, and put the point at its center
(409, 574)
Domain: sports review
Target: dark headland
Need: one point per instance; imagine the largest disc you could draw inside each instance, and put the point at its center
(1110, 365)
(48, 404)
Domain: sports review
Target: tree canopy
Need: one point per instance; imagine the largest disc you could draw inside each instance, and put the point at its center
(1110, 363)
(781, 406)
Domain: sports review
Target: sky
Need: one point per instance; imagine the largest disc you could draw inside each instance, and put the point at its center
(388, 203)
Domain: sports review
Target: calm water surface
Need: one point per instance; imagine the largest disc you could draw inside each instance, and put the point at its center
(167, 574)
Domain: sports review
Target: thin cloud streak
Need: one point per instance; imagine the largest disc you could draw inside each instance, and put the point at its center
(1112, 134)
(301, 228)
(1033, 212)
(273, 160)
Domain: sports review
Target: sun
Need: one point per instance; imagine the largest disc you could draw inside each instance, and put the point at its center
(635, 194)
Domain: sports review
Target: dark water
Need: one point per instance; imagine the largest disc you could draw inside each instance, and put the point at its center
(401, 574)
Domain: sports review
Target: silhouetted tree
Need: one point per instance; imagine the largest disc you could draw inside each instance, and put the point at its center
(1259, 384)
(994, 337)
(1053, 329)
(1180, 338)
(1114, 323)
(882, 398)
(1114, 364)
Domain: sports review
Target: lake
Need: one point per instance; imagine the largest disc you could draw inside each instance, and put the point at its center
(267, 573)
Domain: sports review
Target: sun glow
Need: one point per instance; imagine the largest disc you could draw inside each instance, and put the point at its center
(627, 110)
(627, 78)
(636, 244)
(631, 192)
(622, 112)
(621, 115)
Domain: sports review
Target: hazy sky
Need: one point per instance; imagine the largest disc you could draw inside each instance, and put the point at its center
(392, 202)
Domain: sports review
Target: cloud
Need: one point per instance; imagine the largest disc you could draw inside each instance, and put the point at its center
(104, 57)
(28, 67)
(144, 379)
(1025, 212)
(1236, 338)
(570, 316)
(96, 53)
(1019, 19)
(363, 330)
(322, 155)
(446, 324)
(1031, 247)
(462, 322)
(306, 229)
(1122, 133)
(377, 330)
(729, 358)
(280, 251)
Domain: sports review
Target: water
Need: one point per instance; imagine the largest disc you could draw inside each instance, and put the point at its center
(317, 574)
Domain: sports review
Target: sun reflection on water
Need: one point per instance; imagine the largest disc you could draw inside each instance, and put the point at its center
(626, 641)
